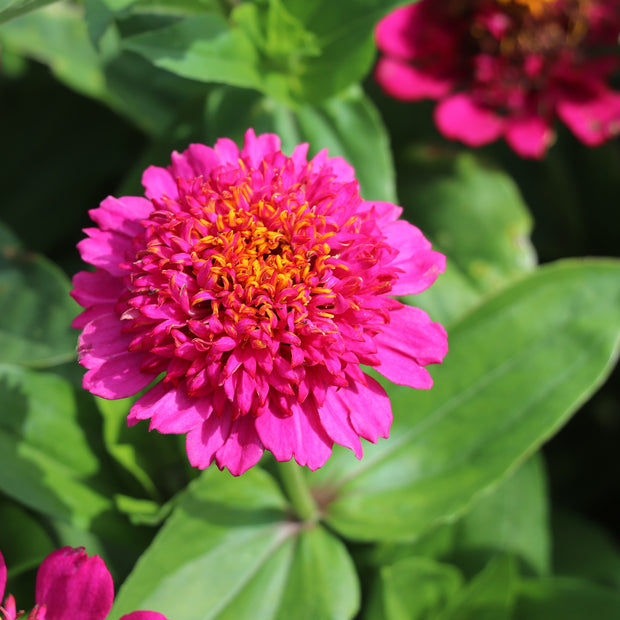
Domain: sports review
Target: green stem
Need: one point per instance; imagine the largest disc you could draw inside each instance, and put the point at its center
(298, 491)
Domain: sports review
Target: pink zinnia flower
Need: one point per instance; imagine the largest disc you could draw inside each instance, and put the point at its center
(506, 67)
(256, 285)
(70, 586)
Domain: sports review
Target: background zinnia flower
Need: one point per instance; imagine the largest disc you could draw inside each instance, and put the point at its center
(70, 586)
(257, 284)
(506, 67)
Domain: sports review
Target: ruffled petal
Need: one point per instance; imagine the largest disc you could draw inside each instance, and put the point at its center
(144, 615)
(73, 586)
(227, 151)
(105, 249)
(300, 435)
(96, 287)
(419, 263)
(407, 344)
(101, 340)
(592, 120)
(242, 449)
(369, 409)
(118, 377)
(529, 136)
(122, 214)
(404, 81)
(256, 148)
(205, 440)
(197, 160)
(459, 118)
(159, 182)
(170, 409)
(334, 416)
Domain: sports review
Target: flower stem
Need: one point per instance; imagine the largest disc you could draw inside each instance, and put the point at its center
(298, 491)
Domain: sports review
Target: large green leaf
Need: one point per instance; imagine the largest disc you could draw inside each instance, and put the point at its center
(512, 518)
(35, 308)
(348, 126)
(563, 598)
(46, 461)
(229, 550)
(518, 367)
(10, 9)
(474, 214)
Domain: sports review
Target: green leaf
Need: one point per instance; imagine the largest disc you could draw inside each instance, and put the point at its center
(584, 549)
(348, 126)
(35, 308)
(10, 9)
(229, 551)
(518, 367)
(46, 462)
(418, 588)
(563, 598)
(489, 596)
(474, 214)
(511, 518)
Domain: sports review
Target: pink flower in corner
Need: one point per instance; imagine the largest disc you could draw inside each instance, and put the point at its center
(507, 68)
(256, 284)
(70, 586)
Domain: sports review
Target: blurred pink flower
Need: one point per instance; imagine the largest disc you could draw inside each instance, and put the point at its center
(70, 586)
(507, 67)
(257, 284)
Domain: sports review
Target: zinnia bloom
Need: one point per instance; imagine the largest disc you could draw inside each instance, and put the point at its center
(507, 67)
(70, 586)
(255, 285)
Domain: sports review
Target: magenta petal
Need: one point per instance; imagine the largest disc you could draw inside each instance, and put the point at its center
(2, 577)
(122, 214)
(159, 182)
(300, 435)
(170, 409)
(73, 586)
(227, 151)
(403, 81)
(394, 32)
(242, 449)
(407, 344)
(144, 615)
(117, 377)
(593, 120)
(96, 287)
(334, 415)
(369, 409)
(255, 148)
(459, 118)
(197, 160)
(204, 441)
(419, 263)
(529, 136)
(105, 249)
(102, 340)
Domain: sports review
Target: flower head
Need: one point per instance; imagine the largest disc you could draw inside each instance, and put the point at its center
(70, 586)
(506, 67)
(255, 285)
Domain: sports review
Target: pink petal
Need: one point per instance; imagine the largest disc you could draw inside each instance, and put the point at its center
(334, 416)
(96, 287)
(203, 441)
(89, 315)
(404, 81)
(394, 33)
(256, 148)
(170, 409)
(300, 435)
(242, 449)
(2, 577)
(420, 264)
(593, 120)
(101, 339)
(122, 214)
(105, 249)
(159, 182)
(459, 118)
(384, 212)
(144, 615)
(118, 377)
(407, 344)
(73, 586)
(529, 137)
(369, 409)
(227, 151)
(197, 160)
